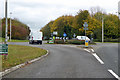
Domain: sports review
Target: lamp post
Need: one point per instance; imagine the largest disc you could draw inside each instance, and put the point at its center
(6, 30)
(102, 29)
(10, 25)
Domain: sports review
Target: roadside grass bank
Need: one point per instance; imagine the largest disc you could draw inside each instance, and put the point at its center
(19, 54)
(13, 40)
(18, 41)
(107, 42)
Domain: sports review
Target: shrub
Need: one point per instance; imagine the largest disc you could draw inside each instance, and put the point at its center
(59, 41)
(110, 40)
(77, 42)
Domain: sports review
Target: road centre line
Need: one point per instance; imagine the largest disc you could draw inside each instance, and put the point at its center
(96, 56)
(114, 74)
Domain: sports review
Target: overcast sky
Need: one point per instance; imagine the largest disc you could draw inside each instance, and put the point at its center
(37, 13)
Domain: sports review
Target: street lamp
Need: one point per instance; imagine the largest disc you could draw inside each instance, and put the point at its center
(102, 29)
(6, 31)
(10, 25)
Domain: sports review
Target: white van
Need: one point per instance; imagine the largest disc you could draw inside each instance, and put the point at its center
(36, 37)
(83, 38)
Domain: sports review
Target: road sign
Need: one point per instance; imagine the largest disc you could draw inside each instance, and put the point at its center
(74, 35)
(53, 37)
(64, 34)
(51, 41)
(3, 49)
(86, 43)
(85, 24)
(85, 28)
(55, 33)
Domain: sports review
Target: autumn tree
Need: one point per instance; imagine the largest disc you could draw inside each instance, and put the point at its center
(19, 30)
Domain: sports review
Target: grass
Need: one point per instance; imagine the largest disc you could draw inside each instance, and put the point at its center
(18, 41)
(3, 39)
(107, 42)
(19, 54)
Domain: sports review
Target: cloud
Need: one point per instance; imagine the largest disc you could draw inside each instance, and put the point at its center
(38, 13)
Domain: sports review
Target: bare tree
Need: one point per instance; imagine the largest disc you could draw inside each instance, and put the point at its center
(94, 10)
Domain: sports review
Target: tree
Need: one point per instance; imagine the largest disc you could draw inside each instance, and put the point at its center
(19, 30)
(79, 21)
(47, 30)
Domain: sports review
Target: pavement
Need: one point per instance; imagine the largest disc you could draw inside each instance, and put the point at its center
(68, 61)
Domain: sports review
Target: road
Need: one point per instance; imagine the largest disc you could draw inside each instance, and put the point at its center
(108, 52)
(62, 62)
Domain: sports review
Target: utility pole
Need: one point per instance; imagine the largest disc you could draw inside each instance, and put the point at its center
(102, 29)
(6, 30)
(10, 25)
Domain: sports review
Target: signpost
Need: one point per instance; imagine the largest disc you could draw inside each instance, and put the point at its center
(74, 35)
(64, 36)
(55, 33)
(3, 49)
(85, 28)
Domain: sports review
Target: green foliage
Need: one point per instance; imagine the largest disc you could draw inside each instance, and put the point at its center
(110, 40)
(47, 30)
(59, 42)
(20, 30)
(77, 42)
(74, 24)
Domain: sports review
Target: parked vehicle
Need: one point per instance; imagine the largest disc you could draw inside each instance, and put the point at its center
(36, 37)
(82, 38)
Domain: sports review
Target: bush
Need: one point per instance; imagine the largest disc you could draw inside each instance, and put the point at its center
(110, 40)
(78, 42)
(59, 41)
(97, 40)
(106, 40)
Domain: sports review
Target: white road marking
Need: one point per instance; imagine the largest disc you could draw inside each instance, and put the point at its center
(86, 50)
(92, 50)
(114, 74)
(95, 55)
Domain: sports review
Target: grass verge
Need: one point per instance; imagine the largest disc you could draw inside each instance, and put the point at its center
(19, 54)
(13, 40)
(18, 41)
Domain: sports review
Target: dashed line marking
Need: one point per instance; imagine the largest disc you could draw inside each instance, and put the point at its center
(114, 74)
(96, 56)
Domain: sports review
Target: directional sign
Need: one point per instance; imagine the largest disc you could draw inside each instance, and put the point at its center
(85, 24)
(64, 34)
(3, 49)
(55, 33)
(85, 28)
(74, 35)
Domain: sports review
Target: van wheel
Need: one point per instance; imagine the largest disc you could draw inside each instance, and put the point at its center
(32, 42)
(29, 42)
(41, 42)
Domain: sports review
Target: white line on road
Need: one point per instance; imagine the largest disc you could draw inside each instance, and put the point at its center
(95, 55)
(86, 50)
(92, 50)
(113, 73)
